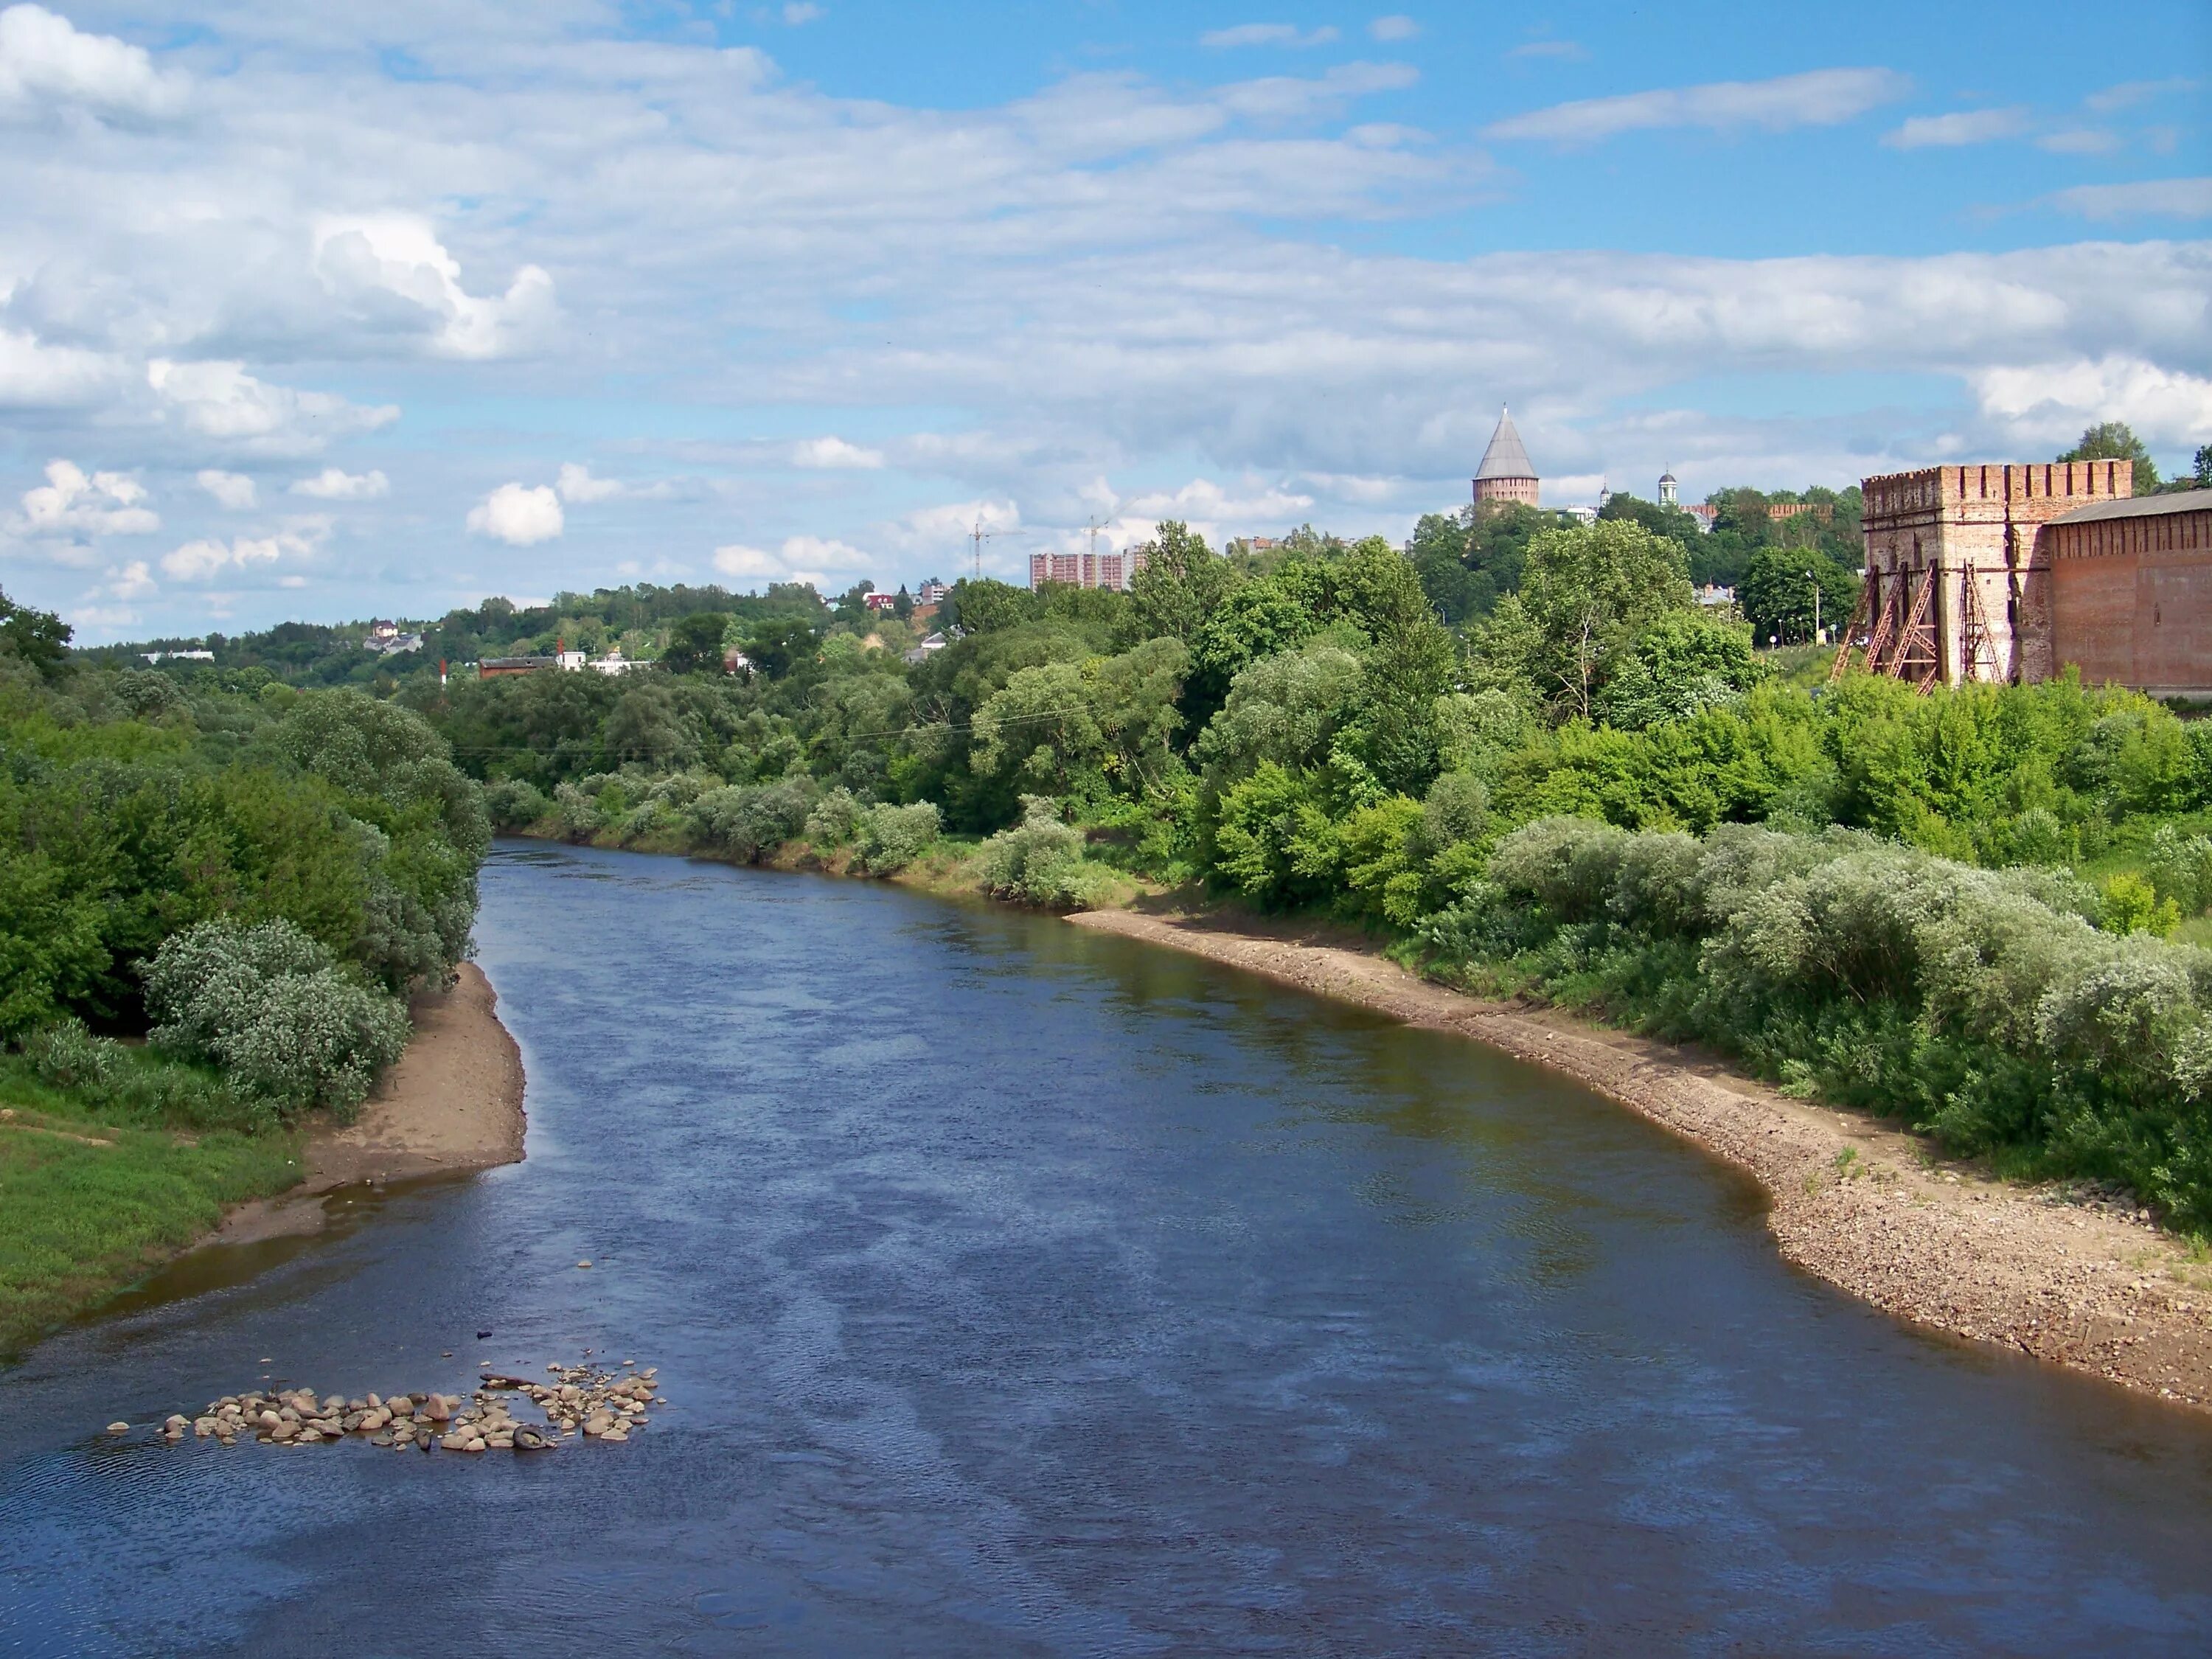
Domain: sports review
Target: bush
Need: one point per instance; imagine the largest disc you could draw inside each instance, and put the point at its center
(513, 803)
(141, 1085)
(835, 818)
(1039, 860)
(1982, 1005)
(271, 1007)
(892, 837)
(747, 821)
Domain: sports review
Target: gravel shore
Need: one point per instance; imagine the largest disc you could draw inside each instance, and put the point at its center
(1868, 1208)
(452, 1103)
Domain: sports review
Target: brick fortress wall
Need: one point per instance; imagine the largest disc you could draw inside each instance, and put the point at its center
(1966, 538)
(2131, 599)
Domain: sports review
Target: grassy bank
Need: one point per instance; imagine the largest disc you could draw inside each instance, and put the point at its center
(90, 1202)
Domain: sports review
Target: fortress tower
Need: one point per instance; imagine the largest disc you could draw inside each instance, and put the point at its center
(1506, 473)
(1959, 568)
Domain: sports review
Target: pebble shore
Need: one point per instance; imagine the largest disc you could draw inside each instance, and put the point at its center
(578, 1400)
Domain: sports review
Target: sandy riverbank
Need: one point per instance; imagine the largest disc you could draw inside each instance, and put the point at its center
(1933, 1242)
(452, 1103)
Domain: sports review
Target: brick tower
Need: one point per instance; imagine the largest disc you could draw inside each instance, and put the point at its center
(1506, 473)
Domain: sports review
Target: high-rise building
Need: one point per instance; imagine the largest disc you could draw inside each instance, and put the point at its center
(1079, 569)
(1506, 473)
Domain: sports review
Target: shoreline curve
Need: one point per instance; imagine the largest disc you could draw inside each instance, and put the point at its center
(1868, 1208)
(452, 1104)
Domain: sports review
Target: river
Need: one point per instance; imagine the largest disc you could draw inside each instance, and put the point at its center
(1021, 1289)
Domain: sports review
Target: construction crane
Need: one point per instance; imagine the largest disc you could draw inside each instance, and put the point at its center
(979, 536)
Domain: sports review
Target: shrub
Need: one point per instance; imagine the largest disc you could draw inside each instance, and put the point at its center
(2132, 906)
(513, 803)
(747, 821)
(271, 1008)
(1039, 860)
(143, 1086)
(835, 818)
(1984, 1006)
(576, 812)
(2180, 868)
(892, 837)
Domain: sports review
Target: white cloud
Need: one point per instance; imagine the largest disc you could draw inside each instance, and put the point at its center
(800, 559)
(392, 270)
(73, 502)
(1965, 126)
(1816, 99)
(334, 484)
(222, 402)
(1268, 34)
(199, 560)
(834, 454)
(576, 484)
(34, 375)
(45, 59)
(757, 562)
(1565, 50)
(233, 490)
(520, 517)
(797, 12)
(2049, 402)
(131, 581)
(945, 529)
(2180, 199)
(1396, 27)
(2080, 141)
(2129, 93)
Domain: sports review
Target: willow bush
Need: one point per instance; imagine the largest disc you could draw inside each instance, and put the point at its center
(1988, 1007)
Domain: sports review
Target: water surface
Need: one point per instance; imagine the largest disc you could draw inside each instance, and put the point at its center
(1022, 1290)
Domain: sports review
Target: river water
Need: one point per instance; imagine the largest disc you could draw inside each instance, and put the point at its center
(1019, 1289)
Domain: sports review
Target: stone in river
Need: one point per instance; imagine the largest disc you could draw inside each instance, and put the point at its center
(118, 1428)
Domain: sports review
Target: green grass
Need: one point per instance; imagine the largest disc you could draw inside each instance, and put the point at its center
(79, 1222)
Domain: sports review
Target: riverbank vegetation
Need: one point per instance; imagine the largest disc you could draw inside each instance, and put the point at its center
(1971, 910)
(215, 895)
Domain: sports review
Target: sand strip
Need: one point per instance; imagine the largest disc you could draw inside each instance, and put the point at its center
(1927, 1240)
(452, 1103)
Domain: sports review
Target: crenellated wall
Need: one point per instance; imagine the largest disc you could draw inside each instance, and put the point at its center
(1969, 534)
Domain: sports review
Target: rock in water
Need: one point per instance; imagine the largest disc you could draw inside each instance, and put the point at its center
(118, 1428)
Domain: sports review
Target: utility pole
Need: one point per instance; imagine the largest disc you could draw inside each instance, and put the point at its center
(1816, 581)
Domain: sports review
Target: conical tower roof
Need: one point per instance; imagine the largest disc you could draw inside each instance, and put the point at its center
(1505, 458)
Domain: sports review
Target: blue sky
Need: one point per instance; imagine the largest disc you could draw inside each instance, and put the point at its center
(302, 315)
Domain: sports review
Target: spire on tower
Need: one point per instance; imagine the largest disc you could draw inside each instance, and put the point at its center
(1506, 473)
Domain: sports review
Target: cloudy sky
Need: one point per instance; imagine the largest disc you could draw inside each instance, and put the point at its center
(331, 312)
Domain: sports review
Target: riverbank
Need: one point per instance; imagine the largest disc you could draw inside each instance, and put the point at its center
(452, 1104)
(1853, 1201)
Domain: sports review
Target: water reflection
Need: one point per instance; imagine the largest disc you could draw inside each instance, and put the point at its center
(1022, 1290)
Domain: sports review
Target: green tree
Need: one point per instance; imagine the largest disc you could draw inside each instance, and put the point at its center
(1181, 582)
(694, 643)
(39, 637)
(1585, 595)
(2115, 440)
(1787, 593)
(780, 645)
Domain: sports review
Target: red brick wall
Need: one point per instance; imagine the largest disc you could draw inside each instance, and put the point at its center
(2131, 599)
